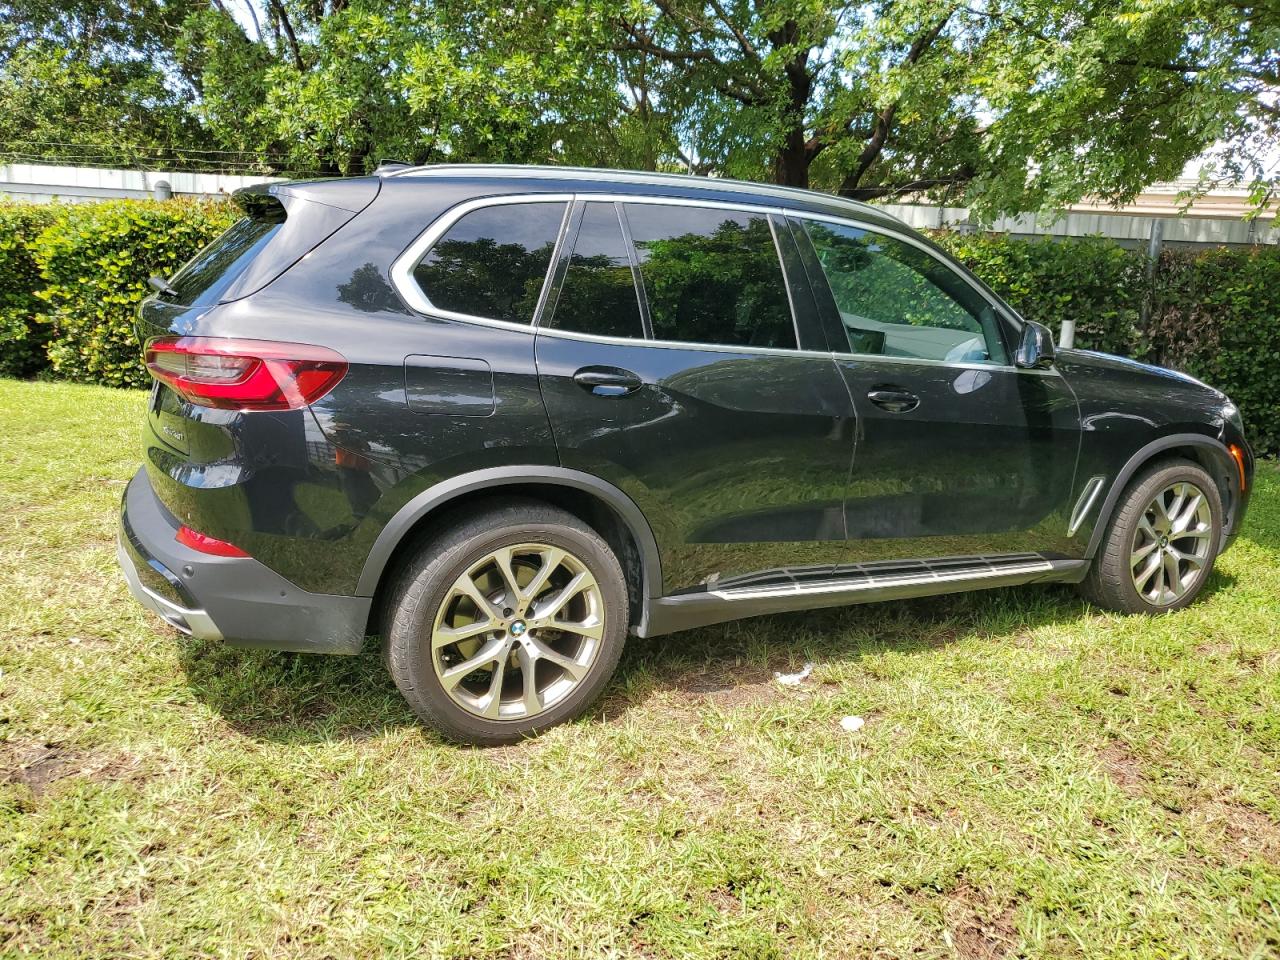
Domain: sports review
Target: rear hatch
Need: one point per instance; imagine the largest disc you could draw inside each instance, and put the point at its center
(282, 223)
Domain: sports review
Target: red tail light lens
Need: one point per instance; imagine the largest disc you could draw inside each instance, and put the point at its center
(207, 544)
(245, 374)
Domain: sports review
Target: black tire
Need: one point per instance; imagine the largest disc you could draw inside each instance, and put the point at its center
(427, 582)
(1110, 583)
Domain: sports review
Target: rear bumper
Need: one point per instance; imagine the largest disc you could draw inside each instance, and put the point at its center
(238, 600)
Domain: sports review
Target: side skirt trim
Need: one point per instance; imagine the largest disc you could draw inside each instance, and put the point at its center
(686, 611)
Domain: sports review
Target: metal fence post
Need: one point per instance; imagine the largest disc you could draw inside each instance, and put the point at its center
(1154, 245)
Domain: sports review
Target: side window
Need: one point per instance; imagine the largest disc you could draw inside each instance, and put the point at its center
(898, 301)
(711, 276)
(598, 294)
(493, 261)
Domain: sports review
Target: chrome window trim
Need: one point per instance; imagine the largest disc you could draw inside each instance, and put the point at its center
(413, 294)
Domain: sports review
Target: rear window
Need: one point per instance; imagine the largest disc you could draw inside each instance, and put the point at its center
(280, 229)
(215, 268)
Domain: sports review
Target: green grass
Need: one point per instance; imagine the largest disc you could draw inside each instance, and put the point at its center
(1034, 778)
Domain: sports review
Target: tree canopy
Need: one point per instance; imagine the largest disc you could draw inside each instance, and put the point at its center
(1005, 105)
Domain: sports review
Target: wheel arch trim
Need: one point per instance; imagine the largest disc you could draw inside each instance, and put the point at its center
(1144, 456)
(440, 494)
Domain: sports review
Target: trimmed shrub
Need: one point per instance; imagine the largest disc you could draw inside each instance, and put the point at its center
(1216, 314)
(1092, 280)
(95, 259)
(21, 341)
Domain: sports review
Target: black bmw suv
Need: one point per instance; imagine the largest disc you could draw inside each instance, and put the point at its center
(506, 416)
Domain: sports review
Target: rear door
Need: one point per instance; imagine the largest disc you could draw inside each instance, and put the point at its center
(676, 362)
(959, 452)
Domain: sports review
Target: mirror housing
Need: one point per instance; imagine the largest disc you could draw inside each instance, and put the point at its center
(1035, 348)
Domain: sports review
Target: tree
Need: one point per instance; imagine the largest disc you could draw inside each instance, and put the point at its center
(1015, 104)
(93, 81)
(335, 86)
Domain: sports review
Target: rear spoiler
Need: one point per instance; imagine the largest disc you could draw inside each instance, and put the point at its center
(352, 194)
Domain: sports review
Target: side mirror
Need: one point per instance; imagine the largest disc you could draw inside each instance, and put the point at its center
(1035, 348)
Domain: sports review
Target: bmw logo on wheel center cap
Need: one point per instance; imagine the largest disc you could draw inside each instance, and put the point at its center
(518, 628)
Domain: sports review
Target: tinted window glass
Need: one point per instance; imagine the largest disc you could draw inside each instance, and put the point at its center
(899, 301)
(711, 276)
(493, 261)
(207, 275)
(599, 293)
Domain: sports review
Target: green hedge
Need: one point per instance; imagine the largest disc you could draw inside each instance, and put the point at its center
(94, 259)
(1092, 279)
(1214, 313)
(22, 340)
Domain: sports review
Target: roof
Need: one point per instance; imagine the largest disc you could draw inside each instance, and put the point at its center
(668, 184)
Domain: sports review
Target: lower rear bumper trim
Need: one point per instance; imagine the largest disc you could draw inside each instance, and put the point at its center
(194, 623)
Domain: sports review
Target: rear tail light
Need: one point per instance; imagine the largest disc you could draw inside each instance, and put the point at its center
(207, 544)
(245, 374)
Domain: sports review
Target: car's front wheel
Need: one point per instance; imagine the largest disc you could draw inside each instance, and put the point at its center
(508, 623)
(1160, 543)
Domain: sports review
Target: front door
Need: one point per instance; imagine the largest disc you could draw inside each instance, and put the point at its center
(672, 364)
(959, 453)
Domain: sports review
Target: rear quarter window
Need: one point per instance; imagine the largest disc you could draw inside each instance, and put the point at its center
(492, 262)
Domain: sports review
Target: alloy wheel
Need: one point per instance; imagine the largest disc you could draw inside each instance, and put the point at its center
(1172, 544)
(518, 631)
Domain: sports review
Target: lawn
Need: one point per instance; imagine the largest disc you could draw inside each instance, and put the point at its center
(1034, 778)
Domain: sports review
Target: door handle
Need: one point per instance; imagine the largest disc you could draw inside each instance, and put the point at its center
(893, 399)
(608, 381)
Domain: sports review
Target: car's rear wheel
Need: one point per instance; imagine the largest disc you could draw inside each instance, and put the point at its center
(508, 623)
(1159, 546)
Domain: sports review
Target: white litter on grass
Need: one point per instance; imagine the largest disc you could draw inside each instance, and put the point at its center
(852, 724)
(794, 679)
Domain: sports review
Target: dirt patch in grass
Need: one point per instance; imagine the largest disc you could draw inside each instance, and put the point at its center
(1243, 830)
(1121, 766)
(976, 930)
(38, 766)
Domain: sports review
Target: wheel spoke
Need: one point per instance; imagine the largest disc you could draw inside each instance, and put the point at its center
(444, 636)
(1173, 574)
(502, 559)
(581, 581)
(494, 650)
(1202, 533)
(1142, 551)
(570, 666)
(467, 587)
(493, 699)
(1145, 526)
(1174, 510)
(551, 560)
(1188, 514)
(593, 630)
(1140, 580)
(531, 699)
(1160, 510)
(1190, 558)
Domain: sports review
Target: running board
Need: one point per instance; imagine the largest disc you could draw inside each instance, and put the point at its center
(779, 591)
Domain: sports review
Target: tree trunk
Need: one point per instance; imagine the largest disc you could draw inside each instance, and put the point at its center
(791, 165)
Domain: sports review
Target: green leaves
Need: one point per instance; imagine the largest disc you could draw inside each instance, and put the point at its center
(94, 260)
